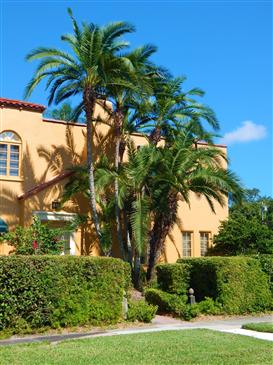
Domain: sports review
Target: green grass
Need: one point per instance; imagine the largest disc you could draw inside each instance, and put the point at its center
(260, 327)
(168, 347)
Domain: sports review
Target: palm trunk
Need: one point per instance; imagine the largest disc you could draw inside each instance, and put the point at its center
(89, 104)
(128, 238)
(118, 122)
(136, 271)
(162, 225)
(155, 136)
(122, 147)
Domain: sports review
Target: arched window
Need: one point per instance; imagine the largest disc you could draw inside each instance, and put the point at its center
(10, 154)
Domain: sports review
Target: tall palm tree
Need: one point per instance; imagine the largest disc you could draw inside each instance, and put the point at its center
(93, 64)
(139, 74)
(181, 169)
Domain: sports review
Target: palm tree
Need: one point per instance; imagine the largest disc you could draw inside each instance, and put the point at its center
(170, 109)
(180, 169)
(92, 66)
(139, 72)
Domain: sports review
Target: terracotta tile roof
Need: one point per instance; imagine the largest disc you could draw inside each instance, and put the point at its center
(36, 189)
(20, 104)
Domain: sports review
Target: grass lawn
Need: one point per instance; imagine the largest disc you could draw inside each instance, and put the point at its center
(171, 347)
(260, 327)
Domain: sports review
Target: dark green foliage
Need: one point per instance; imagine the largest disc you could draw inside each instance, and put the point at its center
(38, 239)
(248, 230)
(238, 284)
(171, 303)
(141, 311)
(56, 291)
(266, 262)
(173, 278)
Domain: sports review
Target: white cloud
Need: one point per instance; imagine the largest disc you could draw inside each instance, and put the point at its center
(248, 132)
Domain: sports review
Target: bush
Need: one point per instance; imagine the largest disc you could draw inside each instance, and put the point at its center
(61, 291)
(141, 311)
(173, 278)
(171, 303)
(238, 284)
(38, 239)
(266, 262)
(209, 306)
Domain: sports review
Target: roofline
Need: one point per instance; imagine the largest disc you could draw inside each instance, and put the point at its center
(213, 144)
(59, 121)
(37, 188)
(21, 104)
(202, 143)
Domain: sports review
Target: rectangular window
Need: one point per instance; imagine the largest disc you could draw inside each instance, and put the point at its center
(3, 158)
(187, 243)
(14, 160)
(204, 242)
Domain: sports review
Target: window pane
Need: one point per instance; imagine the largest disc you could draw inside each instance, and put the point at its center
(186, 241)
(14, 172)
(9, 137)
(14, 164)
(14, 156)
(3, 163)
(3, 171)
(14, 148)
(3, 156)
(204, 242)
(3, 147)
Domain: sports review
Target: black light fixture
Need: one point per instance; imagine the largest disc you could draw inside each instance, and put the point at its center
(55, 205)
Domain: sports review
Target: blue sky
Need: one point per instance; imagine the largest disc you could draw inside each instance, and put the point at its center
(224, 47)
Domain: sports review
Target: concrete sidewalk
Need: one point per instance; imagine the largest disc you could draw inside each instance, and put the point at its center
(160, 323)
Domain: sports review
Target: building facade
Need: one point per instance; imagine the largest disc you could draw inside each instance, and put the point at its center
(35, 156)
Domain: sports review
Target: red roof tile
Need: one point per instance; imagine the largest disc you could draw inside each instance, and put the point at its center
(19, 104)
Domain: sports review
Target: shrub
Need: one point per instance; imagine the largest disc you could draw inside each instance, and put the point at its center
(238, 284)
(39, 239)
(61, 290)
(209, 306)
(173, 278)
(141, 311)
(266, 262)
(171, 303)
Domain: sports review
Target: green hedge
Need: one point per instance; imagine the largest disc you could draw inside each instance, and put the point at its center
(173, 278)
(238, 284)
(39, 291)
(266, 262)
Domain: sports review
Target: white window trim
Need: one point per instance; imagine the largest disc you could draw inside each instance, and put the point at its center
(54, 216)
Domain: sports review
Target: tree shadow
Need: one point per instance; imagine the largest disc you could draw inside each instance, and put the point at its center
(58, 158)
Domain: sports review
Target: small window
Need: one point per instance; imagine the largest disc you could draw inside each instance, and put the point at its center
(10, 151)
(204, 242)
(187, 243)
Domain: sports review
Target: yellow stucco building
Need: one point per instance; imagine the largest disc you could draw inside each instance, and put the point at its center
(35, 154)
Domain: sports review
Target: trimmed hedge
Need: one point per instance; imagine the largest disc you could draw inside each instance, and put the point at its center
(266, 262)
(238, 284)
(173, 278)
(40, 291)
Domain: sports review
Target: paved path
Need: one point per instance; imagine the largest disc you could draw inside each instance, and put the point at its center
(160, 323)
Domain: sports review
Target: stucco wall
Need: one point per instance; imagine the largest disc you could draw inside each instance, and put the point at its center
(48, 148)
